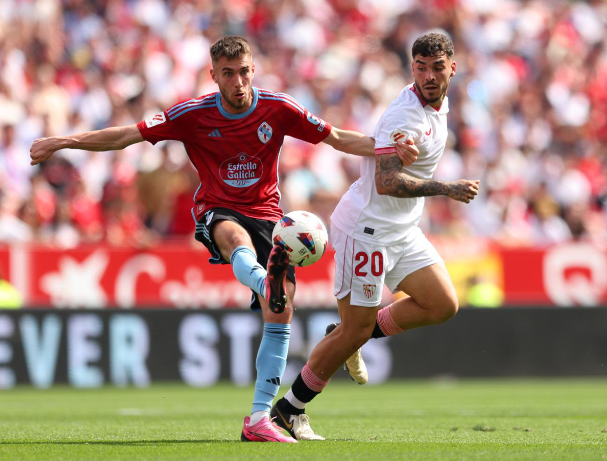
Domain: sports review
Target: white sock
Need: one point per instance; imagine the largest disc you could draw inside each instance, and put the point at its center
(257, 416)
(294, 400)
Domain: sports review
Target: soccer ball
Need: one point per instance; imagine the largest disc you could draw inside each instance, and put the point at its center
(303, 235)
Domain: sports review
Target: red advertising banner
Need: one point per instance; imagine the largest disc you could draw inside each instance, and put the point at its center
(573, 274)
(179, 275)
(169, 275)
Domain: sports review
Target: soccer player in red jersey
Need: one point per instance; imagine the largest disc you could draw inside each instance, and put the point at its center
(233, 137)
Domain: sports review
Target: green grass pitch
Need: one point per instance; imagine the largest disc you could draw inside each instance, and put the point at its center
(413, 420)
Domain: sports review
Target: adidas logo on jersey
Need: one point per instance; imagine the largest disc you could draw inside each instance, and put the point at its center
(215, 133)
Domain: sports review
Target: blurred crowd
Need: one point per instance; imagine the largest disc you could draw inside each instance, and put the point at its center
(528, 109)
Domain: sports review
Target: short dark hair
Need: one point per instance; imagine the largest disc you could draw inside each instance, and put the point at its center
(432, 44)
(231, 46)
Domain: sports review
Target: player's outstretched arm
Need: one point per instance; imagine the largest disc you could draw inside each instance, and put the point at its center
(114, 138)
(355, 143)
(392, 180)
(351, 142)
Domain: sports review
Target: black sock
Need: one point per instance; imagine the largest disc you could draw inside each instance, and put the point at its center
(302, 392)
(285, 407)
(377, 333)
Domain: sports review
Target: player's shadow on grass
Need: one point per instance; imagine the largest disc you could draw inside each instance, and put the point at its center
(136, 442)
(116, 442)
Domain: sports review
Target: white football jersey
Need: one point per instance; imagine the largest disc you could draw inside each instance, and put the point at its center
(364, 214)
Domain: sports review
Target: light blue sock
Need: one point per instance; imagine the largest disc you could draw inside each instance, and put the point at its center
(271, 363)
(247, 270)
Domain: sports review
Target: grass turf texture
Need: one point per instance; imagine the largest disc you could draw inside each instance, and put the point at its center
(459, 420)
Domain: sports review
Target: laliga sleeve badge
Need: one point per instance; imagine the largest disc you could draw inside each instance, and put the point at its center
(398, 135)
(155, 120)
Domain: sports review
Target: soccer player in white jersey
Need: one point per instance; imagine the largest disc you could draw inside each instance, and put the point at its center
(375, 233)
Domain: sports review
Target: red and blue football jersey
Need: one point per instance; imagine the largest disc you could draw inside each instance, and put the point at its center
(236, 155)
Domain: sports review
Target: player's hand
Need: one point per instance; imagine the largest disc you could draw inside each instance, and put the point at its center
(407, 151)
(42, 149)
(463, 190)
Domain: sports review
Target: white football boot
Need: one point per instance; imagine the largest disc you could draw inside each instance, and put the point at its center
(298, 426)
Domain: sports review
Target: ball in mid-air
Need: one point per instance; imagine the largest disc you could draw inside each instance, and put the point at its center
(303, 235)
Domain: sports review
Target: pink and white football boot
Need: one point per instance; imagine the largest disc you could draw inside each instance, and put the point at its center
(264, 431)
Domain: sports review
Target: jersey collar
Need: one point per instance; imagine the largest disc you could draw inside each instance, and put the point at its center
(423, 101)
(236, 116)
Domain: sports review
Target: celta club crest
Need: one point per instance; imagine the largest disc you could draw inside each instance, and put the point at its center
(264, 132)
(369, 290)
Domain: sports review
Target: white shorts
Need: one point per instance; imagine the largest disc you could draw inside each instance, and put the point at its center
(363, 268)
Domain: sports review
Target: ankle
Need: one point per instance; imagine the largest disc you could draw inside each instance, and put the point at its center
(285, 406)
(257, 416)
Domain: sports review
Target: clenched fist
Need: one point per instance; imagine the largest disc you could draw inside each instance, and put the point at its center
(463, 190)
(42, 149)
(407, 151)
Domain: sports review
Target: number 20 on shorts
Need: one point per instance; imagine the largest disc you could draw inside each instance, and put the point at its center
(376, 265)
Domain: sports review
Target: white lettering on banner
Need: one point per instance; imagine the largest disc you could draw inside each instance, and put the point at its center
(77, 284)
(198, 338)
(7, 376)
(128, 347)
(126, 281)
(241, 328)
(41, 347)
(83, 350)
(129, 350)
(195, 292)
(566, 278)
(113, 276)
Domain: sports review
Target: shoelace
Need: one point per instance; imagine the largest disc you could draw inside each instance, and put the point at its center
(275, 426)
(304, 425)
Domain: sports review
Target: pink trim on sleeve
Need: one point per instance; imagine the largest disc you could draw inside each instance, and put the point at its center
(385, 150)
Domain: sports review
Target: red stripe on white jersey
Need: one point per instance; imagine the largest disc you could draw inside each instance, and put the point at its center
(385, 150)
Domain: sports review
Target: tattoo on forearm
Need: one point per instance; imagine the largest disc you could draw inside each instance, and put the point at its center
(458, 191)
(392, 180)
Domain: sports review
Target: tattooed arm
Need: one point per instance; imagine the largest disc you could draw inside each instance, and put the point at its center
(392, 180)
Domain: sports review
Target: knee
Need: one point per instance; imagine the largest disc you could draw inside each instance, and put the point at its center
(284, 317)
(355, 338)
(446, 310)
(361, 339)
